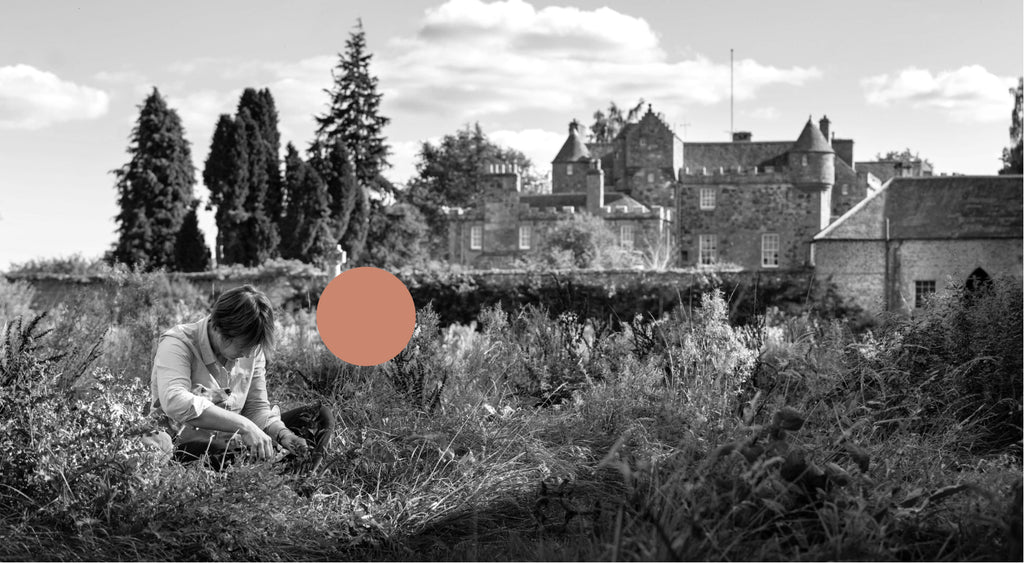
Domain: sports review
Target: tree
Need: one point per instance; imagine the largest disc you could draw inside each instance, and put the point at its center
(397, 234)
(607, 126)
(190, 251)
(1013, 156)
(306, 232)
(338, 172)
(579, 241)
(154, 188)
(451, 174)
(242, 172)
(353, 116)
(905, 156)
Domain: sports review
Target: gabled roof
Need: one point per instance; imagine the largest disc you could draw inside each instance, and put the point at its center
(936, 207)
(730, 154)
(574, 148)
(812, 140)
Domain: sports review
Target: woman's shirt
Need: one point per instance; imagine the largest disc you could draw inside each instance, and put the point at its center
(184, 359)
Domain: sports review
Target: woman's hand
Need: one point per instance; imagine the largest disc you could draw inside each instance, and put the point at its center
(292, 442)
(259, 444)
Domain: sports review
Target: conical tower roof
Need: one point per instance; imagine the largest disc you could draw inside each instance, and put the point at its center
(574, 149)
(811, 140)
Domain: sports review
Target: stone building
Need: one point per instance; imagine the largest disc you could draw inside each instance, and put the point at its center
(918, 235)
(758, 204)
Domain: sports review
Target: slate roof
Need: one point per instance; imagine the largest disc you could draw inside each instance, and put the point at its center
(574, 148)
(936, 207)
(730, 154)
(812, 140)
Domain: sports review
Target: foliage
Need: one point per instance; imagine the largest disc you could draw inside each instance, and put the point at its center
(607, 126)
(242, 172)
(306, 228)
(353, 116)
(73, 265)
(451, 174)
(15, 299)
(396, 236)
(154, 188)
(190, 251)
(580, 241)
(905, 156)
(1013, 155)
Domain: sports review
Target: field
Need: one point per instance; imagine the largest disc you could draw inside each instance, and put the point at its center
(528, 436)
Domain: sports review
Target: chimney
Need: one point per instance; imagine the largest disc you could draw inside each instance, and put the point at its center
(741, 137)
(595, 187)
(574, 126)
(823, 125)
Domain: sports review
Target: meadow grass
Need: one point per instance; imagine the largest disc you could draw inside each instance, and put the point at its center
(532, 437)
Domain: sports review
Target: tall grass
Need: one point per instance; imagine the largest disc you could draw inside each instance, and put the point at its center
(531, 436)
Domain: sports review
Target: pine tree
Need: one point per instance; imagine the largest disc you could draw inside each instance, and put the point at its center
(259, 231)
(354, 111)
(154, 188)
(354, 239)
(226, 175)
(337, 170)
(190, 251)
(263, 111)
(306, 232)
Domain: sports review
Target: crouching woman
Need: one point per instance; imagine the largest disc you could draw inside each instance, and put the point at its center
(209, 379)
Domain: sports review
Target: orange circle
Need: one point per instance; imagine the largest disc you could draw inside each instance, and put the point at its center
(365, 316)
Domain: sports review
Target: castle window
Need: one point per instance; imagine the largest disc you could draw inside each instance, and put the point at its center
(770, 251)
(626, 236)
(922, 290)
(803, 160)
(524, 237)
(708, 249)
(643, 142)
(846, 189)
(476, 237)
(707, 198)
(650, 177)
(568, 170)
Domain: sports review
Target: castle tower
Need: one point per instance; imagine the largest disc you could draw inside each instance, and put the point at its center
(569, 168)
(812, 162)
(595, 187)
(812, 169)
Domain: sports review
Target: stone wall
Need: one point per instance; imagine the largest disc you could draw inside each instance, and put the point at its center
(856, 267)
(746, 207)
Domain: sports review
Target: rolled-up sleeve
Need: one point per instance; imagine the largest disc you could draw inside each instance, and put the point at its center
(257, 406)
(172, 374)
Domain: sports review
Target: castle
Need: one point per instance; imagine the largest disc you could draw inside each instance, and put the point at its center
(759, 205)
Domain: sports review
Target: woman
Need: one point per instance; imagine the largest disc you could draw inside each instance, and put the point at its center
(225, 351)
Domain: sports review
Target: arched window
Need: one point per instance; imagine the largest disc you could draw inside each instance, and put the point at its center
(979, 279)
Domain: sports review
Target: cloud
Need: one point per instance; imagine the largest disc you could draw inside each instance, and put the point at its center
(199, 112)
(766, 113)
(539, 145)
(970, 93)
(470, 58)
(32, 99)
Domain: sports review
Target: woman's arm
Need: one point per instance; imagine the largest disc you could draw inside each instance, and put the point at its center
(216, 418)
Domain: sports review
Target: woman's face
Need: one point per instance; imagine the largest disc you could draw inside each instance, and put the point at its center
(233, 348)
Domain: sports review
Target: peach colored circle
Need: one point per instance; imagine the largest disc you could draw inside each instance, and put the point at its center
(365, 316)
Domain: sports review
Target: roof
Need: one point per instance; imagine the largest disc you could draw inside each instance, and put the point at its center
(576, 200)
(574, 149)
(730, 154)
(936, 207)
(812, 140)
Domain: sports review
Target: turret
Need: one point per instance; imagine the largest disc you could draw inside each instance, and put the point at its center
(569, 168)
(503, 178)
(812, 162)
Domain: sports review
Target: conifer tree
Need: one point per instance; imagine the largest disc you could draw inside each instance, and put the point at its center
(154, 188)
(354, 239)
(226, 175)
(263, 111)
(353, 115)
(337, 170)
(306, 232)
(190, 251)
(1013, 155)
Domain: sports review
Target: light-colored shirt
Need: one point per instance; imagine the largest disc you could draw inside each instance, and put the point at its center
(184, 359)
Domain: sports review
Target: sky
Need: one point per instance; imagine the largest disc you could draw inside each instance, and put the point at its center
(929, 75)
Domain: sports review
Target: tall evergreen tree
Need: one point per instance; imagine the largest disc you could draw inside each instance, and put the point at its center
(306, 231)
(154, 187)
(354, 239)
(337, 169)
(226, 175)
(263, 111)
(190, 251)
(260, 237)
(353, 115)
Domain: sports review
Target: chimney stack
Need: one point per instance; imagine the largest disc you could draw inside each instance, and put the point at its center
(824, 126)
